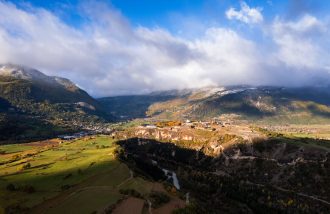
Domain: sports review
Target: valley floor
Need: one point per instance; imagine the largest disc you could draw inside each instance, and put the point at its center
(230, 168)
(80, 176)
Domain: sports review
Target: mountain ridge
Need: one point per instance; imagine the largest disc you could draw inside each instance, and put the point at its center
(247, 102)
(27, 73)
(31, 100)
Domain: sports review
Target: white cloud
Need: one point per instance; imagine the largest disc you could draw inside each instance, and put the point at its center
(247, 14)
(108, 56)
(306, 24)
(301, 44)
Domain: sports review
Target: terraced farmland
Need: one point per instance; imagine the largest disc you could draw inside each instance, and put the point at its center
(81, 176)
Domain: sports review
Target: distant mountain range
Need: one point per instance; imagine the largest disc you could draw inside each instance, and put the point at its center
(33, 104)
(264, 104)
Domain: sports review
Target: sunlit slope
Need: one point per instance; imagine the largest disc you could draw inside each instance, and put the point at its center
(269, 104)
(79, 176)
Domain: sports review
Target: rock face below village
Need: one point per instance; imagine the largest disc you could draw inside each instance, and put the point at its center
(206, 136)
(252, 169)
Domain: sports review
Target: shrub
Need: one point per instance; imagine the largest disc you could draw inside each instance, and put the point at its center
(25, 166)
(190, 209)
(28, 189)
(66, 186)
(259, 146)
(67, 176)
(158, 198)
(130, 192)
(10, 187)
(15, 158)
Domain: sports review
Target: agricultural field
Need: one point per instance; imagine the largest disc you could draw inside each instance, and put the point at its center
(81, 176)
(308, 131)
(311, 135)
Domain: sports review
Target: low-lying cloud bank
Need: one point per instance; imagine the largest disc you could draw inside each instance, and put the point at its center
(108, 56)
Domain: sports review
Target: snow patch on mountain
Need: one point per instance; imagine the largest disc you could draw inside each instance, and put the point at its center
(26, 73)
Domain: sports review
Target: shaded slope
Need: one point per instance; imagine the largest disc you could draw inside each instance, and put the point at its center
(134, 106)
(273, 175)
(34, 105)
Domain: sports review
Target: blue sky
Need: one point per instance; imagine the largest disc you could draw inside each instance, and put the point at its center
(185, 18)
(164, 13)
(129, 46)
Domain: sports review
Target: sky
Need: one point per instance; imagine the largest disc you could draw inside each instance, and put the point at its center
(124, 47)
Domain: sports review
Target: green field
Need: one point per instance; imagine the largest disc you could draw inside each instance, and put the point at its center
(87, 201)
(15, 148)
(81, 176)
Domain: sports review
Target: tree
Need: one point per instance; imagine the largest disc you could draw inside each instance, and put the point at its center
(11, 187)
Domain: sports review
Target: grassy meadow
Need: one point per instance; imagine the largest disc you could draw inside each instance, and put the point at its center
(81, 175)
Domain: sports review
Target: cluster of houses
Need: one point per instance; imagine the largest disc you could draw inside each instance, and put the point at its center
(75, 136)
(93, 129)
(89, 131)
(204, 124)
(187, 123)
